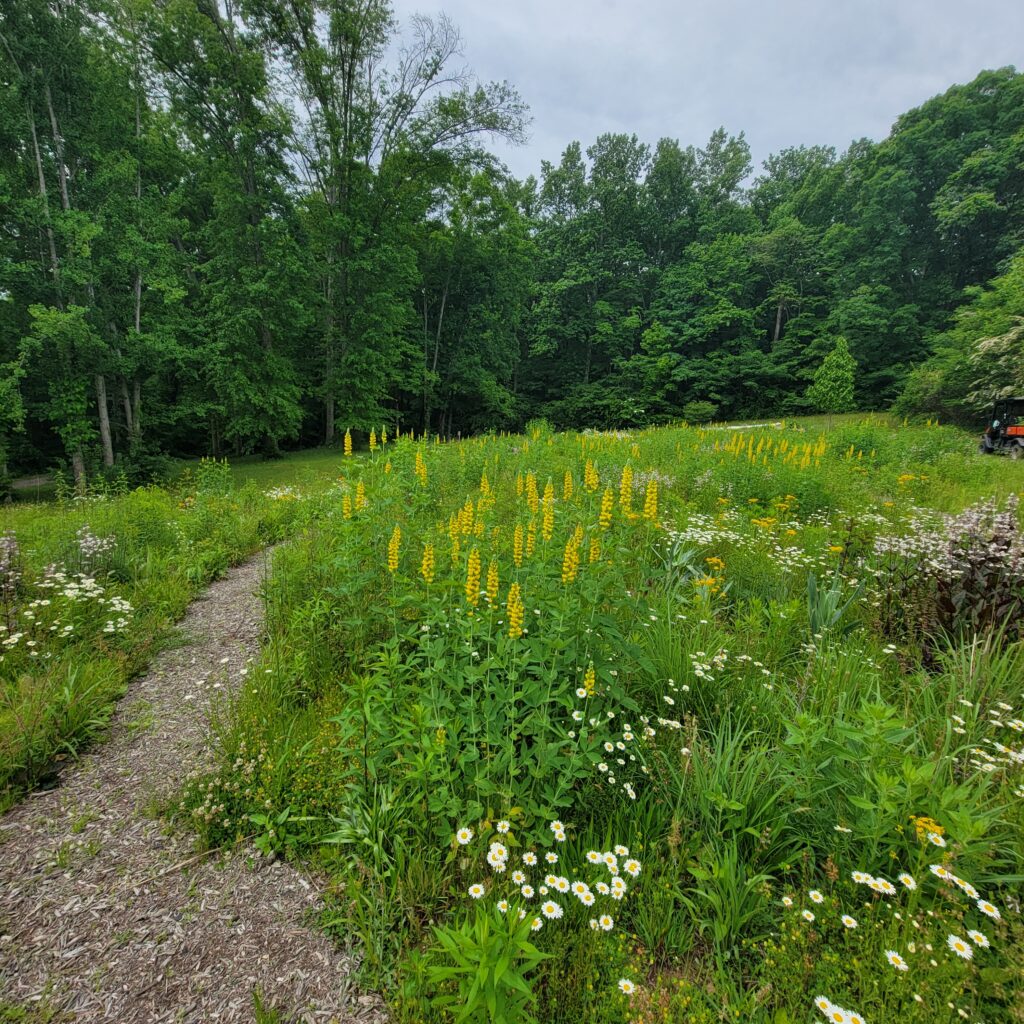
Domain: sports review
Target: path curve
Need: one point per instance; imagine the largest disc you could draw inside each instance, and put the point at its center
(106, 915)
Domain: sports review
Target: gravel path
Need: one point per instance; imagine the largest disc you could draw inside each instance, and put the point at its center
(106, 914)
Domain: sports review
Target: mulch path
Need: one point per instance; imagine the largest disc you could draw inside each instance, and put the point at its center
(106, 912)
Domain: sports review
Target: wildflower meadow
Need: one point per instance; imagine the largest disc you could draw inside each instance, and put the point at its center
(674, 725)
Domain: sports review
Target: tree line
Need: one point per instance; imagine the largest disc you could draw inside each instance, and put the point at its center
(235, 225)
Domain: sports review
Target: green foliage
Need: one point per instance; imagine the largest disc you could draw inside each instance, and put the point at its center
(833, 385)
(699, 412)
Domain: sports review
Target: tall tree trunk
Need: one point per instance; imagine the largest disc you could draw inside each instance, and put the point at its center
(101, 407)
(778, 322)
(44, 196)
(78, 467)
(328, 419)
(137, 408)
(126, 404)
(58, 147)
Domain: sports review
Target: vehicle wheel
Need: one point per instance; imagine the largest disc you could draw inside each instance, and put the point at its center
(1016, 452)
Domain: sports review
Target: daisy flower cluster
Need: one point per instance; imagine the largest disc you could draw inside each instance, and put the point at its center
(515, 886)
(835, 1013)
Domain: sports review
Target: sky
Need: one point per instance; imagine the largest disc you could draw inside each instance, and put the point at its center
(785, 72)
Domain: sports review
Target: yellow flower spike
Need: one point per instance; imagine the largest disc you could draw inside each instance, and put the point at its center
(383, 436)
(421, 468)
(547, 525)
(348, 442)
(346, 506)
(531, 537)
(361, 500)
(567, 486)
(532, 497)
(515, 609)
(473, 578)
(485, 486)
(373, 440)
(466, 518)
(393, 545)
(517, 546)
(519, 485)
(595, 550)
(651, 501)
(590, 680)
(626, 491)
(387, 466)
(591, 480)
(492, 582)
(427, 565)
(570, 560)
(607, 502)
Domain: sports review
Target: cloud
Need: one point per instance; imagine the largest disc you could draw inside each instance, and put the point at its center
(786, 72)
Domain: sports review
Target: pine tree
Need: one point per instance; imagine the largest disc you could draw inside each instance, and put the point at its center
(832, 390)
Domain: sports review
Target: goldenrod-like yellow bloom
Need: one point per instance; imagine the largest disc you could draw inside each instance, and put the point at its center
(361, 501)
(473, 578)
(383, 436)
(427, 565)
(607, 501)
(346, 506)
(373, 440)
(532, 497)
(595, 550)
(570, 560)
(590, 478)
(567, 486)
(348, 442)
(590, 680)
(531, 537)
(492, 582)
(547, 525)
(393, 545)
(387, 466)
(517, 546)
(514, 607)
(651, 501)
(519, 484)
(466, 518)
(421, 468)
(485, 486)
(626, 491)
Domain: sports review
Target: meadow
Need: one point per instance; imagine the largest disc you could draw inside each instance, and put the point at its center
(662, 725)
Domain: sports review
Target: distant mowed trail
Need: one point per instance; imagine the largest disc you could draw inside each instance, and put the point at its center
(106, 914)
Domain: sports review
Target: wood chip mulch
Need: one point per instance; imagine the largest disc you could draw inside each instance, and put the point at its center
(107, 914)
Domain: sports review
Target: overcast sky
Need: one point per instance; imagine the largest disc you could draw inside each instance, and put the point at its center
(785, 72)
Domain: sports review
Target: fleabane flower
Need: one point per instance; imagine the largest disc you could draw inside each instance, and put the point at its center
(626, 987)
(527, 891)
(787, 901)
(551, 910)
(464, 836)
(529, 858)
(861, 877)
(807, 915)
(551, 857)
(519, 877)
(960, 947)
(503, 906)
(935, 839)
(849, 922)
(621, 851)
(606, 922)
(503, 826)
(593, 857)
(816, 896)
(979, 939)
(907, 880)
(940, 872)
(476, 891)
(556, 826)
(602, 888)
(823, 1004)
(632, 867)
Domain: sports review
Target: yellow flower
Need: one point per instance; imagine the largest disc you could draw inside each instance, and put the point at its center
(651, 501)
(473, 578)
(519, 484)
(393, 546)
(387, 466)
(532, 497)
(517, 546)
(607, 501)
(590, 477)
(567, 486)
(348, 442)
(361, 501)
(373, 440)
(485, 485)
(531, 537)
(383, 436)
(594, 555)
(421, 468)
(547, 525)
(492, 582)
(427, 565)
(346, 506)
(590, 680)
(626, 491)
(570, 559)
(514, 607)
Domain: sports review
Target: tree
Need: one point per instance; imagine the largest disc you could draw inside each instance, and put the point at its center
(832, 390)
